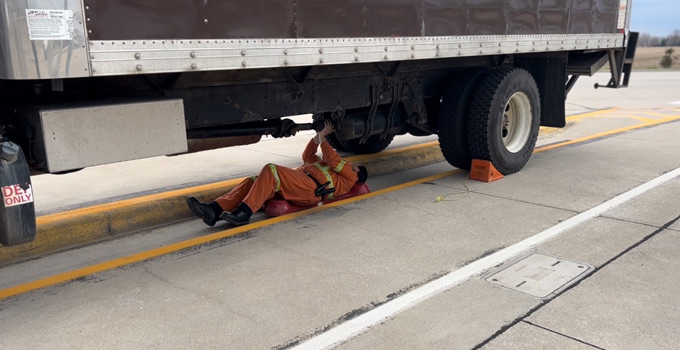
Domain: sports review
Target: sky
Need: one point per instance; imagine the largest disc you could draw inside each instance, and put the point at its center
(656, 17)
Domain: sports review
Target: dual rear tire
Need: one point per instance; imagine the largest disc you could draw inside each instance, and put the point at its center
(490, 115)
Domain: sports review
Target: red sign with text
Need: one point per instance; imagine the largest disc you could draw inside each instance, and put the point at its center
(16, 195)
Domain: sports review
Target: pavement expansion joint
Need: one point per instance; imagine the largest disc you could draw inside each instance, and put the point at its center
(640, 242)
(563, 335)
(630, 221)
(527, 202)
(506, 327)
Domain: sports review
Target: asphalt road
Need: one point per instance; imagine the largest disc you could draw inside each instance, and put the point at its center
(398, 270)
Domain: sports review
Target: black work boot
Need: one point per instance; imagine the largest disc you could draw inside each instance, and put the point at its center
(208, 212)
(239, 216)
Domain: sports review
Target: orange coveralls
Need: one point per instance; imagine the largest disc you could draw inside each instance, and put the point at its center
(294, 185)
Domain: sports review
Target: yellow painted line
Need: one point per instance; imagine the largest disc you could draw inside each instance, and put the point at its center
(639, 118)
(574, 118)
(544, 129)
(364, 157)
(86, 225)
(71, 214)
(602, 114)
(593, 114)
(642, 119)
(102, 208)
(108, 265)
(607, 133)
(658, 114)
(627, 116)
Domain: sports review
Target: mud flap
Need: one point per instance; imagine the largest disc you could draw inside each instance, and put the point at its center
(17, 212)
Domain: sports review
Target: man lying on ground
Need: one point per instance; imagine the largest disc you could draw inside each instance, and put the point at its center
(318, 179)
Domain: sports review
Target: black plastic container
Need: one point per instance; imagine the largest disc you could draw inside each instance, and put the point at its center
(17, 212)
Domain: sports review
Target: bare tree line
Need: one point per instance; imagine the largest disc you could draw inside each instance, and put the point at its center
(646, 40)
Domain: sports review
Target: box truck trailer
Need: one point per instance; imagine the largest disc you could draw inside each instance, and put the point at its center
(89, 82)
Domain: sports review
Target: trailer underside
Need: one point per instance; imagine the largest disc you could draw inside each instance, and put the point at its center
(90, 82)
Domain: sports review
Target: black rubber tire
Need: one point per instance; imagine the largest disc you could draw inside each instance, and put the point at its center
(452, 123)
(373, 145)
(485, 120)
(432, 109)
(334, 142)
(331, 138)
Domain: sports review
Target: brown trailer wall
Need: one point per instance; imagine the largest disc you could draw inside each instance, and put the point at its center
(230, 19)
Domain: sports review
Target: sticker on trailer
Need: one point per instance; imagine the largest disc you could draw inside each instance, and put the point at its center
(50, 24)
(16, 195)
(623, 12)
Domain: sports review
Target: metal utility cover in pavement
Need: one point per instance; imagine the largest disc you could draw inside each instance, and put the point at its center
(540, 275)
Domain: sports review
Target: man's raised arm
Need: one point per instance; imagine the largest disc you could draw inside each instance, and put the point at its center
(309, 155)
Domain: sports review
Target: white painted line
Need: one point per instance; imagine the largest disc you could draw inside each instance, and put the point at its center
(371, 318)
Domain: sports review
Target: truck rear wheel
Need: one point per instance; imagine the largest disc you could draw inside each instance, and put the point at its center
(504, 119)
(335, 142)
(373, 145)
(331, 138)
(452, 122)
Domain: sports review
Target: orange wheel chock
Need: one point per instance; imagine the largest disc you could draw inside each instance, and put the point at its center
(483, 170)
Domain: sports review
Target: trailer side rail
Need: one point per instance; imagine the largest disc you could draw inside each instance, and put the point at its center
(162, 56)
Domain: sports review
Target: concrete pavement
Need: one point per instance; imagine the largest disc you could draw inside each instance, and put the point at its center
(81, 226)
(278, 286)
(629, 302)
(120, 199)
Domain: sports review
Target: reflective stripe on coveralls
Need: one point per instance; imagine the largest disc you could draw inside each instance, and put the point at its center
(272, 167)
(325, 169)
(340, 166)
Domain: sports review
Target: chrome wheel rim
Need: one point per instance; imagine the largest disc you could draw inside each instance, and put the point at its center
(516, 123)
